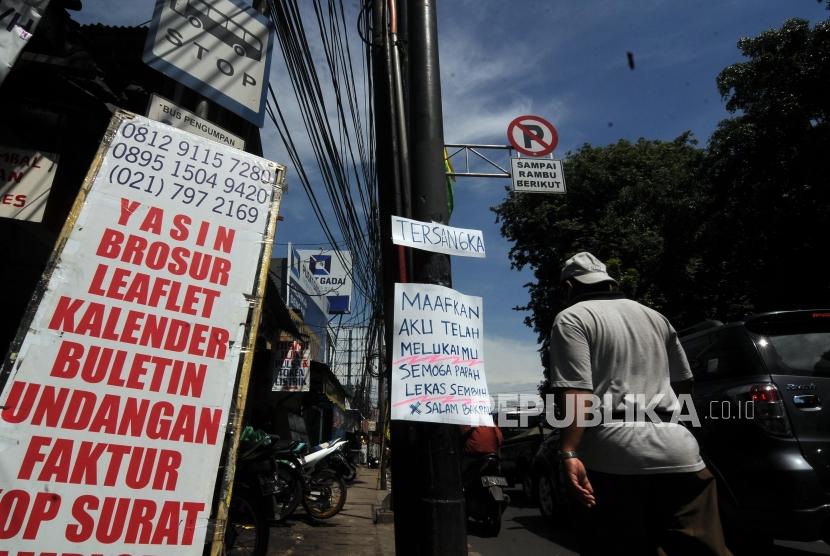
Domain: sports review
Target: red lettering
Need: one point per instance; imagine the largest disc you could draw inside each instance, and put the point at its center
(82, 531)
(18, 405)
(224, 239)
(140, 526)
(217, 347)
(98, 279)
(128, 208)
(14, 508)
(68, 360)
(33, 455)
(64, 316)
(152, 222)
(221, 271)
(85, 470)
(180, 227)
(110, 245)
(202, 236)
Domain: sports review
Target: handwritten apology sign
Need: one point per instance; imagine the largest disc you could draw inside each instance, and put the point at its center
(438, 358)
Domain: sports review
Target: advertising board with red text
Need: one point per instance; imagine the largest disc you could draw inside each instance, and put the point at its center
(117, 390)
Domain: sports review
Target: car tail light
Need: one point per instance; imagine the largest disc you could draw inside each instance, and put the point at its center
(769, 411)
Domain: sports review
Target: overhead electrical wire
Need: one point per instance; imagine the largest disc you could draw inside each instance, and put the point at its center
(340, 132)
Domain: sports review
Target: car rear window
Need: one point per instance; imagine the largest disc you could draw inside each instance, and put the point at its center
(798, 348)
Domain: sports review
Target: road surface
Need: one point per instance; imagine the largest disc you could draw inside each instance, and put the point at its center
(525, 531)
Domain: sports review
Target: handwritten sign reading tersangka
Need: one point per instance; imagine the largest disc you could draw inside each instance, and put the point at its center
(438, 358)
(438, 238)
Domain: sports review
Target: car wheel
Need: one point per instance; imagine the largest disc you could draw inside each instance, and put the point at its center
(239, 49)
(546, 496)
(527, 487)
(195, 21)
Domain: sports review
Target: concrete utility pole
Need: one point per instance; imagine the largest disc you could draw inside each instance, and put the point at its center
(430, 516)
(389, 186)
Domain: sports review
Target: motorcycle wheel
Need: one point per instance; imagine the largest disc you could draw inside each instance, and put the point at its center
(324, 495)
(247, 530)
(350, 473)
(492, 524)
(289, 494)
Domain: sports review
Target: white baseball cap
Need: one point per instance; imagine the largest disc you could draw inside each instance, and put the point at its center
(586, 269)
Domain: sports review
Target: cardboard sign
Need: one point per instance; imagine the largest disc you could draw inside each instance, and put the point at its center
(219, 48)
(25, 182)
(438, 238)
(438, 357)
(118, 385)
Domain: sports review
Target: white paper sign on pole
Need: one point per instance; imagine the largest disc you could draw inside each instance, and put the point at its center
(438, 358)
(438, 238)
(118, 385)
(25, 182)
(18, 20)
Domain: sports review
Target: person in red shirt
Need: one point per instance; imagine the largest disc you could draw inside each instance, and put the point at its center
(481, 440)
(478, 442)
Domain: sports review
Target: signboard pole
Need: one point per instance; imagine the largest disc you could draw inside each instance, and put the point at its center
(217, 548)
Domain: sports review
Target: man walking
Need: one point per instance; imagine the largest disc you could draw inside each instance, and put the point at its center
(644, 483)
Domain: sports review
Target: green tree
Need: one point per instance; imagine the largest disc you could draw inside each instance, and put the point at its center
(765, 236)
(636, 206)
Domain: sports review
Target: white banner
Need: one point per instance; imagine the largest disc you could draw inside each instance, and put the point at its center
(25, 182)
(116, 403)
(438, 238)
(438, 357)
(18, 20)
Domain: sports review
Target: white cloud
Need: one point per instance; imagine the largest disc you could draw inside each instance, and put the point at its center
(510, 360)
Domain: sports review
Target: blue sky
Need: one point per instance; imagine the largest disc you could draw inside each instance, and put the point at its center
(565, 61)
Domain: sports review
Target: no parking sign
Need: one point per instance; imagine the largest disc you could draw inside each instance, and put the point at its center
(532, 135)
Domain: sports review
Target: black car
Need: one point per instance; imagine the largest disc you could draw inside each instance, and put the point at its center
(518, 450)
(547, 482)
(760, 389)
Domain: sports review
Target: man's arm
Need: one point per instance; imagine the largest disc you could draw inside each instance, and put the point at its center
(682, 387)
(576, 403)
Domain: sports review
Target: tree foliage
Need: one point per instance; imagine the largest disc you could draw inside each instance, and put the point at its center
(737, 227)
(769, 175)
(634, 205)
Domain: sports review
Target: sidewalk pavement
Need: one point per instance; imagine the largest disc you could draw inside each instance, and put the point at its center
(351, 532)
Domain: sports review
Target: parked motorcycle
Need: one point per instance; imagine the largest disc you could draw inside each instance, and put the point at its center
(340, 464)
(247, 530)
(305, 477)
(484, 494)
